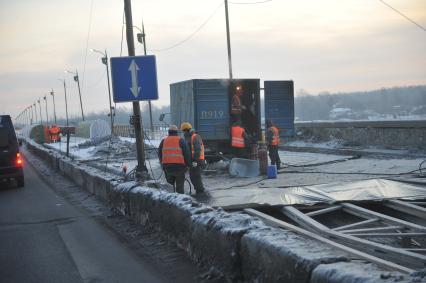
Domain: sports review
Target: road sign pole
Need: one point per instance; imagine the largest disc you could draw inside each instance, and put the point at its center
(228, 40)
(140, 149)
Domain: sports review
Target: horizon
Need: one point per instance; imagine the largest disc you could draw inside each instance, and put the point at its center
(341, 48)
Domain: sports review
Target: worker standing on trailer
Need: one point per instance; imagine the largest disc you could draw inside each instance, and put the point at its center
(273, 141)
(236, 104)
(238, 140)
(174, 157)
(196, 146)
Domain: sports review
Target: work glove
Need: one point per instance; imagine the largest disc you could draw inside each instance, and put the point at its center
(194, 164)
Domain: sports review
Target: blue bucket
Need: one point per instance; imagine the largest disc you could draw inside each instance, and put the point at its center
(272, 172)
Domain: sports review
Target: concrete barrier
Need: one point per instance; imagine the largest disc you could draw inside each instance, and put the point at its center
(388, 134)
(236, 246)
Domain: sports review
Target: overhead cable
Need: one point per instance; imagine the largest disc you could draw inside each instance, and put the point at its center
(192, 34)
(412, 21)
(250, 3)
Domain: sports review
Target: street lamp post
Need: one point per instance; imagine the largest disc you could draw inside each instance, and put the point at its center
(31, 114)
(47, 114)
(54, 105)
(66, 101)
(35, 111)
(105, 62)
(141, 39)
(77, 79)
(41, 116)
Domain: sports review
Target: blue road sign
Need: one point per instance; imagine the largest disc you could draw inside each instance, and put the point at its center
(134, 78)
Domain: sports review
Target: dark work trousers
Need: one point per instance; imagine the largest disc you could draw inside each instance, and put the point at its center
(239, 152)
(274, 156)
(176, 177)
(195, 176)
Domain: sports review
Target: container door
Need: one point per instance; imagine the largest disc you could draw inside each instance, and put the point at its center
(279, 105)
(211, 108)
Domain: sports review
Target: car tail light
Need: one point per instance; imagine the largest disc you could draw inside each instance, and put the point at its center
(19, 162)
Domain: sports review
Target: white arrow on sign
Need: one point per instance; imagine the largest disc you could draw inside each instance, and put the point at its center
(133, 68)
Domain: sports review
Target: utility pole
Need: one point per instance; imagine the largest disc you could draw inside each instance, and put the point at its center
(149, 101)
(140, 148)
(41, 116)
(47, 114)
(66, 101)
(228, 39)
(54, 106)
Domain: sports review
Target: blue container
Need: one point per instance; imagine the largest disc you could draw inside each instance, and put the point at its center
(272, 171)
(279, 105)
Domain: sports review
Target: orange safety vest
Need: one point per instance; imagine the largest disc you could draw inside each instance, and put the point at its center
(192, 147)
(237, 134)
(172, 152)
(275, 136)
(54, 133)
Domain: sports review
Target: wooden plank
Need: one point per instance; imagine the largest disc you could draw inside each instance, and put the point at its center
(356, 224)
(300, 218)
(278, 223)
(324, 210)
(362, 212)
(396, 255)
(388, 234)
(372, 229)
(406, 207)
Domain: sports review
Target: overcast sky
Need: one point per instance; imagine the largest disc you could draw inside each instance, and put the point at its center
(323, 45)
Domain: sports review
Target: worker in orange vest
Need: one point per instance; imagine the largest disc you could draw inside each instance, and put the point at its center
(196, 146)
(273, 141)
(175, 158)
(239, 140)
(54, 133)
(237, 106)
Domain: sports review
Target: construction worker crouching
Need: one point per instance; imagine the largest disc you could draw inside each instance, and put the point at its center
(174, 157)
(273, 141)
(238, 140)
(196, 146)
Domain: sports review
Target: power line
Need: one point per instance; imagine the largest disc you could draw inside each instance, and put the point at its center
(87, 43)
(250, 3)
(192, 34)
(424, 29)
(122, 34)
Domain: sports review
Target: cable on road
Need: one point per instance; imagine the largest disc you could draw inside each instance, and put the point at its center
(87, 43)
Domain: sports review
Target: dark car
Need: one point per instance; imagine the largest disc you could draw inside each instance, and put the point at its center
(11, 162)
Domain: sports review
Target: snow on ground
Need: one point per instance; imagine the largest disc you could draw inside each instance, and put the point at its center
(299, 168)
(80, 153)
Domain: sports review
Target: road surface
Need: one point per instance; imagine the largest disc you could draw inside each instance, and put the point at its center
(43, 238)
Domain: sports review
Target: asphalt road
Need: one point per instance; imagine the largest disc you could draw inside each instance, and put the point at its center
(43, 238)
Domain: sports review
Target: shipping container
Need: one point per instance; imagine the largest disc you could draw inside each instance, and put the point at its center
(206, 104)
(279, 105)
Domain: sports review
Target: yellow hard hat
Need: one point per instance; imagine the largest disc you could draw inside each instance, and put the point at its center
(186, 126)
